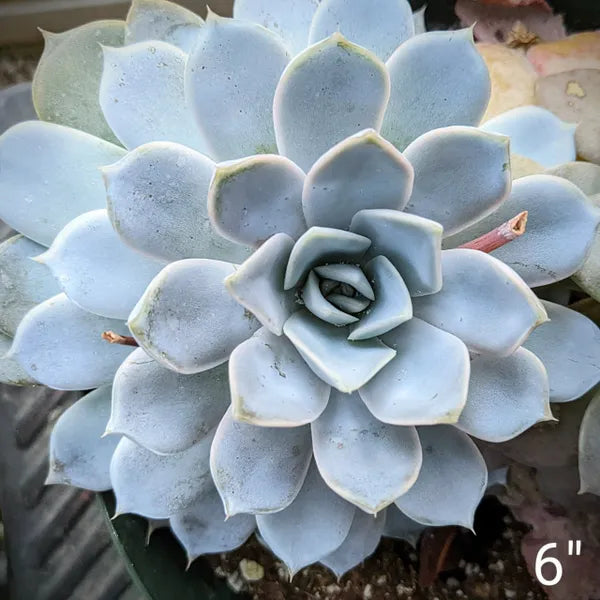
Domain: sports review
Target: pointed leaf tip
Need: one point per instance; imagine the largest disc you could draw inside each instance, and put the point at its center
(258, 469)
(158, 486)
(445, 67)
(211, 321)
(220, 78)
(97, 270)
(179, 410)
(290, 20)
(78, 454)
(343, 364)
(381, 31)
(60, 165)
(59, 344)
(271, 385)
(25, 281)
(569, 346)
(299, 541)
(589, 448)
(451, 482)
(345, 439)
(68, 76)
(358, 89)
(483, 302)
(133, 111)
(515, 387)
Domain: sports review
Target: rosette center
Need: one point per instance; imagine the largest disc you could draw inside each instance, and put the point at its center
(337, 293)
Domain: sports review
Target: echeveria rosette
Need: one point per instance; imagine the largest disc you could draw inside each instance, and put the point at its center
(329, 189)
(338, 335)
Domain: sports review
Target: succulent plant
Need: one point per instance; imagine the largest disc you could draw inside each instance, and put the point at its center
(268, 230)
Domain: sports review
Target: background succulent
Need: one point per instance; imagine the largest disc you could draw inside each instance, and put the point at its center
(328, 177)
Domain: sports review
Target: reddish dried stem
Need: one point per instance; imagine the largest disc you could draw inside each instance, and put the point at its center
(114, 338)
(512, 229)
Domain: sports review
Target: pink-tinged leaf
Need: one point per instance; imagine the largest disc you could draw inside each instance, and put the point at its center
(505, 22)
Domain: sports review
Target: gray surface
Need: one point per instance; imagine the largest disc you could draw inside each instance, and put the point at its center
(16, 105)
(57, 540)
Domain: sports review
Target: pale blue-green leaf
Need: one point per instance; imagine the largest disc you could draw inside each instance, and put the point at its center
(411, 243)
(142, 96)
(367, 462)
(50, 175)
(252, 199)
(506, 396)
(11, 371)
(444, 67)
(149, 20)
(447, 191)
(587, 277)
(96, 270)
(156, 197)
(79, 455)
(350, 274)
(164, 411)
(24, 282)
(311, 527)
(497, 478)
(203, 529)
(392, 304)
(316, 303)
(426, 382)
(159, 486)
(60, 345)
(569, 346)
(585, 175)
(328, 92)
(16, 105)
(258, 469)
(452, 480)
(196, 334)
(560, 229)
(398, 526)
(589, 448)
(362, 540)
(419, 20)
(257, 284)
(350, 304)
(66, 82)
(319, 246)
(483, 302)
(230, 81)
(380, 28)
(290, 19)
(271, 385)
(362, 171)
(343, 364)
(536, 133)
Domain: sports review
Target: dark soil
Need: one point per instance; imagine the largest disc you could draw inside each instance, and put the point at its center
(488, 566)
(17, 63)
